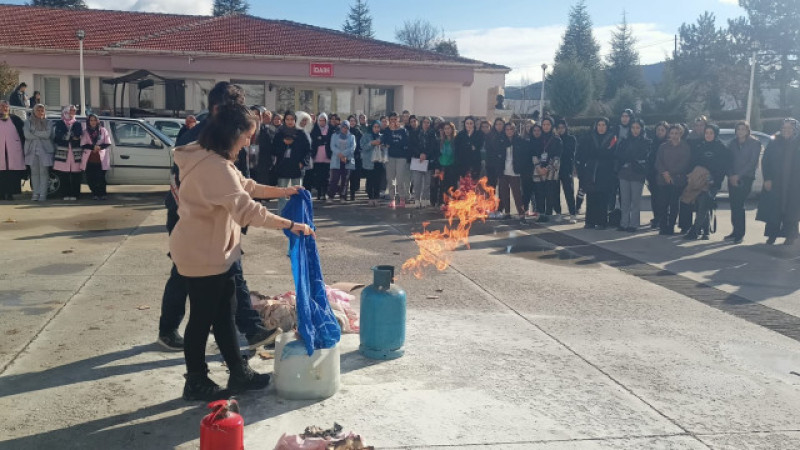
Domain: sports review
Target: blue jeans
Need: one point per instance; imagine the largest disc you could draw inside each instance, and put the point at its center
(173, 303)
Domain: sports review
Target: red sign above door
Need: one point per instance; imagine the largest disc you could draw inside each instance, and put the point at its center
(324, 70)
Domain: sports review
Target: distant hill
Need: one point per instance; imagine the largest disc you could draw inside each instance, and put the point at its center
(653, 74)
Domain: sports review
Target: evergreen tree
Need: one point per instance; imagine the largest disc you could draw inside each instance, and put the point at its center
(570, 88)
(703, 56)
(623, 67)
(9, 78)
(775, 29)
(359, 20)
(227, 7)
(579, 44)
(446, 47)
(64, 4)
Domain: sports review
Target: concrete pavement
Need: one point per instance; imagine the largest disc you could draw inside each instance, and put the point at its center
(536, 339)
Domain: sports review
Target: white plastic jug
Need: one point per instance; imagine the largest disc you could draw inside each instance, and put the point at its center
(302, 377)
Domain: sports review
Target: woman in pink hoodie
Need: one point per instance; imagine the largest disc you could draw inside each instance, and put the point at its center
(215, 202)
(96, 159)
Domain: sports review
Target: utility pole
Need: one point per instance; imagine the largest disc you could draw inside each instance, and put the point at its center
(752, 87)
(541, 101)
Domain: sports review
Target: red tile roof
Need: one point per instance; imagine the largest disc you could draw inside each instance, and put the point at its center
(107, 31)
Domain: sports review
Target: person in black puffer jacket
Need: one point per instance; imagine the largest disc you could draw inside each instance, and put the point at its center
(495, 152)
(568, 163)
(712, 154)
(468, 145)
(632, 170)
(598, 173)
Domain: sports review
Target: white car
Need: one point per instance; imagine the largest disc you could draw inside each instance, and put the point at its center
(139, 152)
(167, 125)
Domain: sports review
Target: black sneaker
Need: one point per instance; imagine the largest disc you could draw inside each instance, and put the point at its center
(690, 236)
(171, 341)
(247, 380)
(263, 336)
(737, 240)
(199, 387)
(730, 237)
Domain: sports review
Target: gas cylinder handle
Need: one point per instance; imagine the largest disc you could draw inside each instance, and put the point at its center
(220, 408)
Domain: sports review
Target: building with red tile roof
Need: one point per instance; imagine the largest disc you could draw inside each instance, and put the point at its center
(280, 64)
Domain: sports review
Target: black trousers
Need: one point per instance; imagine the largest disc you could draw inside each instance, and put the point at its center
(568, 186)
(71, 183)
(374, 178)
(322, 174)
(654, 193)
(552, 193)
(173, 303)
(212, 302)
(597, 207)
(705, 204)
(96, 178)
(355, 178)
(540, 196)
(669, 199)
(782, 228)
(738, 196)
(440, 188)
(527, 193)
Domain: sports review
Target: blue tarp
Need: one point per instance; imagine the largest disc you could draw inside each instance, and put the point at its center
(315, 320)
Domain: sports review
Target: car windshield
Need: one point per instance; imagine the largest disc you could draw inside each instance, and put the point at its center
(167, 140)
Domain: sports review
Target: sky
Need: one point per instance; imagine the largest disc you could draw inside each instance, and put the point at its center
(520, 34)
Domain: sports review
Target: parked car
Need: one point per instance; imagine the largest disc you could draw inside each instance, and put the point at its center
(140, 153)
(726, 135)
(167, 125)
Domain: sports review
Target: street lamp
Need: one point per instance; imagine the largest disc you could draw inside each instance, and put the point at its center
(541, 101)
(752, 84)
(80, 34)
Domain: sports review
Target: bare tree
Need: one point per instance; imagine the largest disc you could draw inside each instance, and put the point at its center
(419, 33)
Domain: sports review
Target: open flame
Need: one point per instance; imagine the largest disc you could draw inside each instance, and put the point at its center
(466, 205)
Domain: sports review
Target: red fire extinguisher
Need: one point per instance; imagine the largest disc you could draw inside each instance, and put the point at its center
(223, 429)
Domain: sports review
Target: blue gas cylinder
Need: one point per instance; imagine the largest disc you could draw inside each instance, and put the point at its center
(383, 316)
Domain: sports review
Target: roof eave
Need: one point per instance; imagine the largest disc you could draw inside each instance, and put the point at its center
(400, 62)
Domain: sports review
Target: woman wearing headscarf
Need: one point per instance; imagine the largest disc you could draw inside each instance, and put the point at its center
(343, 149)
(495, 153)
(632, 170)
(426, 149)
(662, 129)
(96, 159)
(712, 155)
(468, 144)
(546, 152)
(357, 173)
(672, 165)
(12, 155)
(290, 148)
(373, 158)
(599, 173)
(745, 151)
(321, 154)
(779, 205)
(69, 154)
(39, 151)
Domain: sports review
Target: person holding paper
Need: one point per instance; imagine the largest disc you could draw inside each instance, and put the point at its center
(427, 146)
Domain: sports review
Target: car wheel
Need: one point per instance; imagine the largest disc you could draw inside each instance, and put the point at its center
(54, 185)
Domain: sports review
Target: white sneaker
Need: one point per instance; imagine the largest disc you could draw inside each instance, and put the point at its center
(573, 219)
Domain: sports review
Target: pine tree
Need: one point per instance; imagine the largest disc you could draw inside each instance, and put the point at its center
(570, 88)
(623, 67)
(64, 4)
(227, 7)
(579, 44)
(359, 21)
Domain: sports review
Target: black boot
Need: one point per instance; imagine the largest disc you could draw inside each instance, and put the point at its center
(246, 379)
(199, 387)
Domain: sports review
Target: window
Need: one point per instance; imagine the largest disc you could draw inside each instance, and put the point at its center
(169, 128)
(324, 101)
(52, 91)
(132, 135)
(285, 100)
(75, 91)
(106, 96)
(344, 101)
(253, 91)
(381, 102)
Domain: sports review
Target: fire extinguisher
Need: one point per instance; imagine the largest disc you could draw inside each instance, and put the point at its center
(223, 428)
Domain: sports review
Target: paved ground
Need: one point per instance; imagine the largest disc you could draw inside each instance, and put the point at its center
(541, 338)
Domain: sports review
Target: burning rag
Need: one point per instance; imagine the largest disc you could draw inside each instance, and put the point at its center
(316, 322)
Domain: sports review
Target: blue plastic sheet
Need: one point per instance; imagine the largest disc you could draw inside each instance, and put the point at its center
(315, 320)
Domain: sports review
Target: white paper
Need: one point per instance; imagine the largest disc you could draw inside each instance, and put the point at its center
(419, 166)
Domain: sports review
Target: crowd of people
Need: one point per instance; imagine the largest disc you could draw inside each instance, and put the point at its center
(406, 159)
